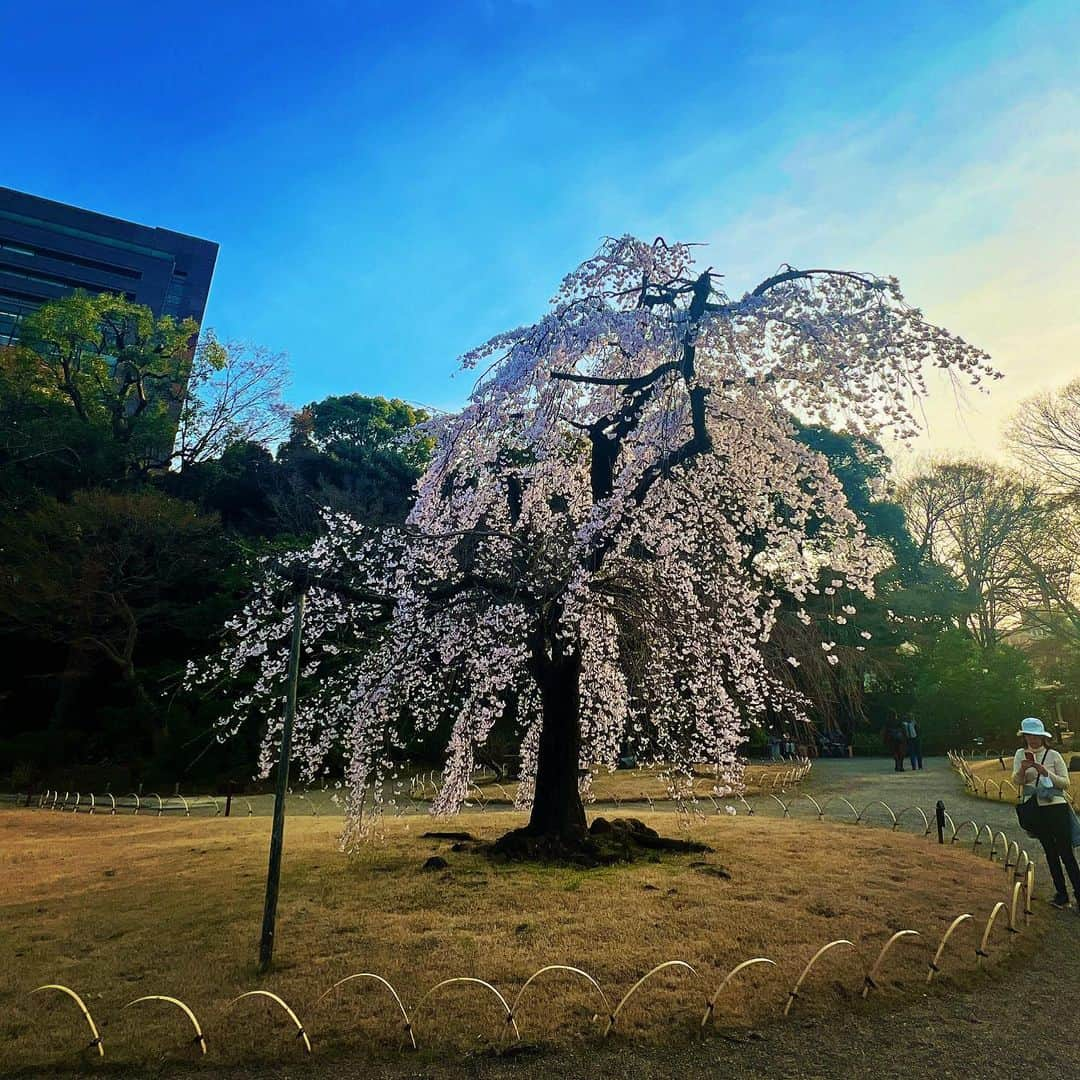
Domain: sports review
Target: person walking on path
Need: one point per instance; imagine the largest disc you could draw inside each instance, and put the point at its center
(1045, 778)
(911, 730)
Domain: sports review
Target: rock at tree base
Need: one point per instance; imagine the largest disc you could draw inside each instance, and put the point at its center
(606, 842)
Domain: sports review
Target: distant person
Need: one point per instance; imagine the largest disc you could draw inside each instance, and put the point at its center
(774, 748)
(1045, 778)
(896, 741)
(914, 747)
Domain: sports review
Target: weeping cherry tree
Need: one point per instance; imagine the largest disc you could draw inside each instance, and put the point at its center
(599, 548)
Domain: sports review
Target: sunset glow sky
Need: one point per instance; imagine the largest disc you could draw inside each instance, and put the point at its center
(393, 184)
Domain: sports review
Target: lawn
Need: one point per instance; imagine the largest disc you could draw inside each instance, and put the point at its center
(642, 785)
(119, 907)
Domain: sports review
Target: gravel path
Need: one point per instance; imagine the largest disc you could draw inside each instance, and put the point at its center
(972, 1031)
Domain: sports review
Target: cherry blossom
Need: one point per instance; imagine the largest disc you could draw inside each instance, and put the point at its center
(604, 537)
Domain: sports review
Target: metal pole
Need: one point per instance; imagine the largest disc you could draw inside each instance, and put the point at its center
(277, 831)
(940, 808)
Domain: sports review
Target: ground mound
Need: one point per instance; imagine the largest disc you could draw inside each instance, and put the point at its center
(620, 840)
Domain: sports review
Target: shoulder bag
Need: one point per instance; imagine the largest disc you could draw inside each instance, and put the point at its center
(1027, 812)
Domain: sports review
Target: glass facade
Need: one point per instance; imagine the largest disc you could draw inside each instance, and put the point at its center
(12, 310)
(49, 249)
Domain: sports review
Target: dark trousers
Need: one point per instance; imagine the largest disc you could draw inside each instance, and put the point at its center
(915, 753)
(1055, 835)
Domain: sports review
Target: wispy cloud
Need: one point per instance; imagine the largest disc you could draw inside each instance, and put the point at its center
(969, 194)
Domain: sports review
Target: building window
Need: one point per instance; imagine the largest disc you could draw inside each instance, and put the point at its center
(12, 310)
(174, 295)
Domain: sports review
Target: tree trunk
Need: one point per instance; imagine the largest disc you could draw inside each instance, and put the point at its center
(557, 831)
(557, 810)
(76, 668)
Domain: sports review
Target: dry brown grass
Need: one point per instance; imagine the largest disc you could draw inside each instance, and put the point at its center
(121, 907)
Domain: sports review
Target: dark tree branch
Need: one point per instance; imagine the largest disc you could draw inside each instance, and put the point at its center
(639, 382)
(791, 274)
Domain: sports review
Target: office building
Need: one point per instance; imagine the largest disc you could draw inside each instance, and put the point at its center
(49, 249)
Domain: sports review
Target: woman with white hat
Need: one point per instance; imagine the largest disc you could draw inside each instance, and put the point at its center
(1045, 811)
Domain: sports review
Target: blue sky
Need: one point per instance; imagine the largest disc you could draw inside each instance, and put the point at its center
(392, 184)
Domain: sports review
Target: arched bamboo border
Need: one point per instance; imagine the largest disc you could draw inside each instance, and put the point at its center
(1018, 888)
(981, 953)
(934, 964)
(711, 1006)
(839, 798)
(870, 982)
(96, 1040)
(1024, 883)
(877, 802)
(1013, 846)
(920, 811)
(793, 993)
(386, 983)
(633, 989)
(509, 1020)
(813, 801)
(199, 1037)
(560, 967)
(1027, 863)
(300, 1032)
(963, 825)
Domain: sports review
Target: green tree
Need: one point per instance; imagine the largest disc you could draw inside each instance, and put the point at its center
(912, 599)
(44, 446)
(105, 575)
(116, 364)
(354, 453)
(960, 691)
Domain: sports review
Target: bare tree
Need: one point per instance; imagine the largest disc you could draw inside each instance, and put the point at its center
(233, 394)
(989, 527)
(1045, 434)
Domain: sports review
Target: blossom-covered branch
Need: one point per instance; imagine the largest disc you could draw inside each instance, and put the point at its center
(599, 548)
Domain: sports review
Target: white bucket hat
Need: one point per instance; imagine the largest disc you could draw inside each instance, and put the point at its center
(1033, 726)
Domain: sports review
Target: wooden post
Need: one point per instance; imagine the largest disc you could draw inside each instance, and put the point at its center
(277, 831)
